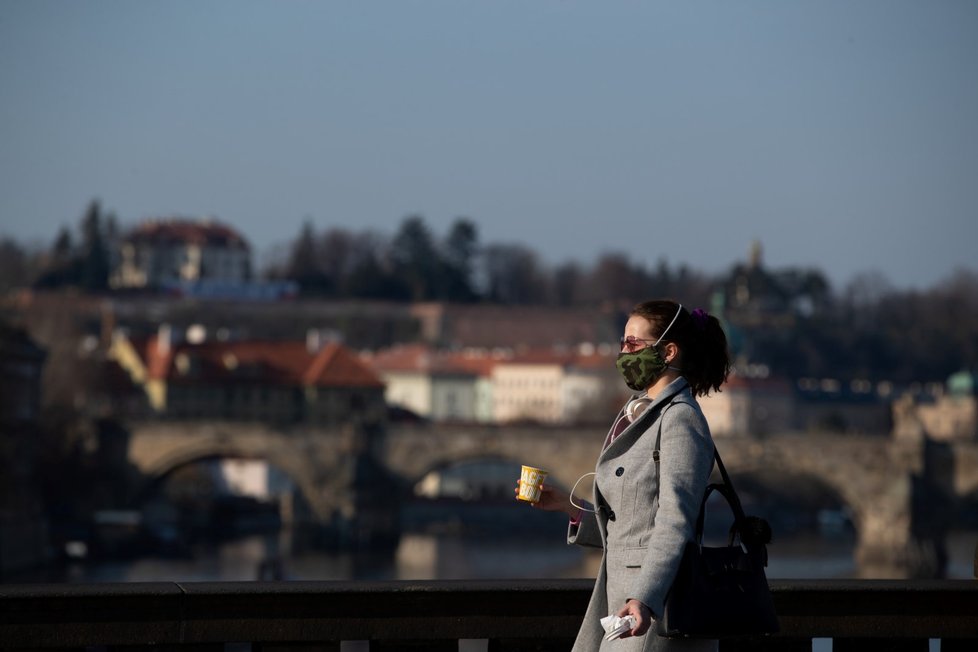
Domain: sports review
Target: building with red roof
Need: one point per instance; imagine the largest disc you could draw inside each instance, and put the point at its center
(271, 381)
(501, 386)
(433, 384)
(159, 253)
(750, 406)
(557, 386)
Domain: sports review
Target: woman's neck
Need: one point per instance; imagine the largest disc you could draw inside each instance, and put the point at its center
(664, 381)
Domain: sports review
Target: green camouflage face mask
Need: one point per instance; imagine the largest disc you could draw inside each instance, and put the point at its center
(641, 368)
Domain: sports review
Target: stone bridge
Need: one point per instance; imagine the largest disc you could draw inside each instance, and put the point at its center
(901, 492)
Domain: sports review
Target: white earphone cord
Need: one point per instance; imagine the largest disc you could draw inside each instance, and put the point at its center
(571, 497)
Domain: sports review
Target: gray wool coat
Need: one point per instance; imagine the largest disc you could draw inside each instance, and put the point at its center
(645, 514)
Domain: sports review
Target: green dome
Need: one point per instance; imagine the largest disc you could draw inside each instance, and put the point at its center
(962, 383)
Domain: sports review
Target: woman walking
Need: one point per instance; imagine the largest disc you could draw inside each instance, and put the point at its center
(646, 498)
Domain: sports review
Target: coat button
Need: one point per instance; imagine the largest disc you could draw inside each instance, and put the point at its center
(611, 515)
(620, 471)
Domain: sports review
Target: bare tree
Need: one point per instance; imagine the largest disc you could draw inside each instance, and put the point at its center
(514, 275)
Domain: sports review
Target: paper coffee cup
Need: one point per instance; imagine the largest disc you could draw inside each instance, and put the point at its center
(530, 480)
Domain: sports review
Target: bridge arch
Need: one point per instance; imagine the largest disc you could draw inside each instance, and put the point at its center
(446, 463)
(500, 475)
(157, 449)
(300, 475)
(857, 470)
(566, 453)
(795, 504)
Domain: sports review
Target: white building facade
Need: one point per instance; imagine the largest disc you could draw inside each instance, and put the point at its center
(161, 253)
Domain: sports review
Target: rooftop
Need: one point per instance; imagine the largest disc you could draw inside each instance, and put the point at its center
(205, 232)
(271, 362)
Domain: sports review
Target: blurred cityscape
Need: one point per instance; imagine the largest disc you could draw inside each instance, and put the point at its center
(347, 411)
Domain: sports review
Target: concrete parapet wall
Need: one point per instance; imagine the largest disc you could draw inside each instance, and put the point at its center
(450, 615)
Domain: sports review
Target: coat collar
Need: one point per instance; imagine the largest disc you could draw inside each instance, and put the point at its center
(636, 428)
(670, 391)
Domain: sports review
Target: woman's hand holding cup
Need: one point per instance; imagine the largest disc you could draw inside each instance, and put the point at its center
(547, 497)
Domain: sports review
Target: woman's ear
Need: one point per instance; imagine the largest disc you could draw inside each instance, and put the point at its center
(671, 351)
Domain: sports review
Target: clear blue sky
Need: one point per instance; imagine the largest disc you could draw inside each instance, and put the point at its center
(842, 134)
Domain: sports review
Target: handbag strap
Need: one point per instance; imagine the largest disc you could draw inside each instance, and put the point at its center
(734, 505)
(726, 488)
(732, 498)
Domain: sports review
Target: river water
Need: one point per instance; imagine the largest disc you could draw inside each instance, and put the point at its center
(451, 556)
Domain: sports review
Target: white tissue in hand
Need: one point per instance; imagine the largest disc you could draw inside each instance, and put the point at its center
(615, 626)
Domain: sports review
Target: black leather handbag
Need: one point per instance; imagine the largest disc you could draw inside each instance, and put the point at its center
(722, 592)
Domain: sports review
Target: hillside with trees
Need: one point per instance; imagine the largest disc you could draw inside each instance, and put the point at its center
(791, 320)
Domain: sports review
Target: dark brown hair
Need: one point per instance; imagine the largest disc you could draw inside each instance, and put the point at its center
(700, 337)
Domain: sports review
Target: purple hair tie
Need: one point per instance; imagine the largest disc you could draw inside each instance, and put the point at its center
(699, 318)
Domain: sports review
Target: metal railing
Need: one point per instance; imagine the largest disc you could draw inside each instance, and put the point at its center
(468, 616)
